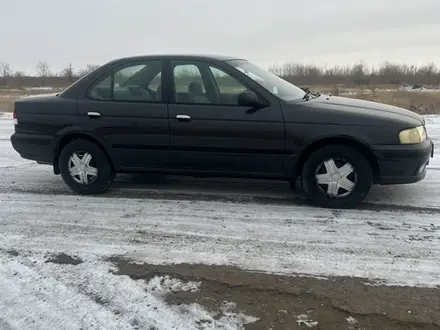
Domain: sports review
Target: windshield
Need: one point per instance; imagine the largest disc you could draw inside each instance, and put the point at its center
(274, 84)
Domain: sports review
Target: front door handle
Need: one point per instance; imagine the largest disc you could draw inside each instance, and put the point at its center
(93, 114)
(183, 118)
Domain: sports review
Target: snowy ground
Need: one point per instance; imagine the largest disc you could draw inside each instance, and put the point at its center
(262, 226)
(53, 296)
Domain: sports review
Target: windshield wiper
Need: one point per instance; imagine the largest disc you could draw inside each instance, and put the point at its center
(309, 93)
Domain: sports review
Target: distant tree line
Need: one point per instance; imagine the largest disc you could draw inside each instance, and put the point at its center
(297, 73)
(44, 77)
(358, 74)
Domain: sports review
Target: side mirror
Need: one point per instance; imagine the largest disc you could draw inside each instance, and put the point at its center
(249, 99)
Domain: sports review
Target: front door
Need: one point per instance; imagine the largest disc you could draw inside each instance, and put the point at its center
(210, 131)
(125, 111)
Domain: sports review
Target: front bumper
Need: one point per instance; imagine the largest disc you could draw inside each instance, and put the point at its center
(400, 164)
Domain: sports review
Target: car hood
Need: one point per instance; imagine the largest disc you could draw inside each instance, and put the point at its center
(363, 107)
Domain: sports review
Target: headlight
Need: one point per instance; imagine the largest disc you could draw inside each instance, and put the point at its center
(413, 135)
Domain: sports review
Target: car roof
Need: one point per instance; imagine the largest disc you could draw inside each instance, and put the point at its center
(195, 57)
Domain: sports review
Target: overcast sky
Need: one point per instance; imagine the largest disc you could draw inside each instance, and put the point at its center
(325, 32)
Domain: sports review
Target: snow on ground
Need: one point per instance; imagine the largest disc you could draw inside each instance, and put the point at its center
(408, 89)
(395, 240)
(412, 88)
(48, 88)
(303, 319)
(397, 246)
(89, 295)
(8, 156)
(6, 115)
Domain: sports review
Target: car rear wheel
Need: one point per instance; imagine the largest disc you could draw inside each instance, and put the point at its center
(337, 176)
(85, 167)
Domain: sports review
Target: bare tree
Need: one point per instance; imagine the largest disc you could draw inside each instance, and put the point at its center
(43, 70)
(89, 68)
(297, 73)
(429, 69)
(19, 77)
(358, 74)
(67, 73)
(5, 69)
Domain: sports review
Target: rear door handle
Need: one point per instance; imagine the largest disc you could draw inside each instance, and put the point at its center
(183, 118)
(93, 114)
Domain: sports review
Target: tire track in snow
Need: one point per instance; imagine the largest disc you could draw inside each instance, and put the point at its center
(398, 247)
(374, 202)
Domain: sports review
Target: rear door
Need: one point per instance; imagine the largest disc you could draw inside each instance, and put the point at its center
(124, 109)
(210, 131)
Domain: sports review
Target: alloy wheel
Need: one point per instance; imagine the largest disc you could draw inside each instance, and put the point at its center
(336, 177)
(82, 168)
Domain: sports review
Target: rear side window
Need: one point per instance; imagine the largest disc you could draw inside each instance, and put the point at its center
(122, 76)
(137, 82)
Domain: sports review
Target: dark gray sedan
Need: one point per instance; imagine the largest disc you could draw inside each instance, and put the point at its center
(218, 116)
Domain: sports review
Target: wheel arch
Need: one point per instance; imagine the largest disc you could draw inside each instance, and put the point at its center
(71, 136)
(332, 140)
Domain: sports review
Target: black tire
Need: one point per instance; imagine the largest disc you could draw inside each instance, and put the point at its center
(292, 184)
(296, 184)
(105, 176)
(363, 174)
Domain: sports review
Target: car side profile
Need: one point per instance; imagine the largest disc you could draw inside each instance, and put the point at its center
(218, 116)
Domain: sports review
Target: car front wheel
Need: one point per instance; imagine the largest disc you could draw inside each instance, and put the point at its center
(337, 176)
(85, 167)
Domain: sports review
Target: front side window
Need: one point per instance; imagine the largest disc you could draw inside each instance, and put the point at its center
(102, 90)
(130, 83)
(189, 84)
(203, 83)
(272, 83)
(228, 87)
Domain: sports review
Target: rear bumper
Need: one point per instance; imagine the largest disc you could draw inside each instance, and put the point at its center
(40, 148)
(402, 164)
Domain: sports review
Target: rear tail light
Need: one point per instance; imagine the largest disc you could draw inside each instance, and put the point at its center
(14, 117)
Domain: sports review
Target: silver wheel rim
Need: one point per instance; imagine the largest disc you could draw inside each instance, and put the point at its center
(82, 169)
(336, 178)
